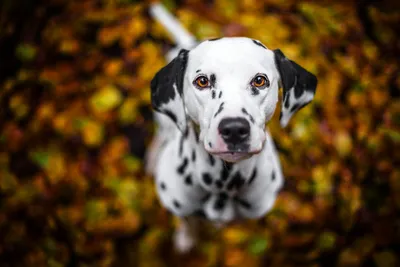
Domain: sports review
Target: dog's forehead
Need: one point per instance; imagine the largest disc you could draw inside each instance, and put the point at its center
(233, 51)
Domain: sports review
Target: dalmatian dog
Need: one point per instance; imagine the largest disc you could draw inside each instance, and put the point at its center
(212, 155)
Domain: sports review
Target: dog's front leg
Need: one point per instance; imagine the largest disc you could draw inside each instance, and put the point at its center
(186, 234)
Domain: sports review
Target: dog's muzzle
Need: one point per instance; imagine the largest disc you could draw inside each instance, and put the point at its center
(234, 131)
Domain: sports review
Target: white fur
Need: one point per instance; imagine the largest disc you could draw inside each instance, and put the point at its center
(234, 62)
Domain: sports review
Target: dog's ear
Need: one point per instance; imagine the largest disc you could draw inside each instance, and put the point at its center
(167, 90)
(298, 84)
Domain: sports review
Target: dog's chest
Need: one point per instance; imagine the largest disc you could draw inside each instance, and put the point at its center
(195, 182)
(222, 184)
(217, 176)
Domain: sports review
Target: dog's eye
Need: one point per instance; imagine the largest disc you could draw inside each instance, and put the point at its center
(202, 82)
(260, 81)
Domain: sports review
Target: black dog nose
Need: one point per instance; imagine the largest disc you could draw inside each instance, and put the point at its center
(234, 130)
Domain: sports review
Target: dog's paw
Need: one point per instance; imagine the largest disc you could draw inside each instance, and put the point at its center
(183, 241)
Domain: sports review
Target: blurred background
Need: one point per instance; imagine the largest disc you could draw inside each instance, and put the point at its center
(75, 120)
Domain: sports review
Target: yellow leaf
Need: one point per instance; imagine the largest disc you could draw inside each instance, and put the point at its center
(128, 111)
(235, 235)
(385, 259)
(93, 133)
(343, 143)
(56, 169)
(69, 46)
(113, 67)
(106, 99)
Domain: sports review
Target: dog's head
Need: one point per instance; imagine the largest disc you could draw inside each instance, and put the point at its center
(229, 87)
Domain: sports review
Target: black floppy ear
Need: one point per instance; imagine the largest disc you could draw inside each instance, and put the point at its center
(167, 90)
(298, 84)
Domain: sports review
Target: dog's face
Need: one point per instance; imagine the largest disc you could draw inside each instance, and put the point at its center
(229, 87)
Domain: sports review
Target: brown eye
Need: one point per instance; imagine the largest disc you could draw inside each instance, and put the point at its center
(260, 82)
(202, 82)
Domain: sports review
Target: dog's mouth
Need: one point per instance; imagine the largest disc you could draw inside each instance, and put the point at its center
(234, 156)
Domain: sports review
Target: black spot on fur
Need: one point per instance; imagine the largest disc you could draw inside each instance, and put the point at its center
(209, 144)
(183, 136)
(294, 78)
(171, 115)
(207, 178)
(221, 201)
(221, 107)
(253, 176)
(193, 155)
(197, 71)
(212, 80)
(214, 39)
(251, 118)
(254, 91)
(247, 113)
(287, 101)
(211, 159)
(188, 179)
(162, 85)
(236, 182)
(205, 198)
(196, 133)
(213, 94)
(243, 203)
(273, 176)
(298, 107)
(181, 143)
(186, 133)
(226, 170)
(164, 82)
(181, 168)
(200, 214)
(298, 91)
(163, 186)
(176, 204)
(259, 44)
(228, 165)
(287, 73)
(219, 184)
(220, 94)
(294, 107)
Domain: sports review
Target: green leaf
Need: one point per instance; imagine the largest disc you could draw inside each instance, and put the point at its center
(326, 240)
(50, 246)
(169, 4)
(113, 184)
(41, 158)
(8, 182)
(95, 210)
(258, 245)
(131, 163)
(54, 263)
(25, 52)
(391, 133)
(385, 259)
(80, 123)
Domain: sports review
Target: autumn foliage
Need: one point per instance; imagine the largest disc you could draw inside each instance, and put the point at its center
(75, 120)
